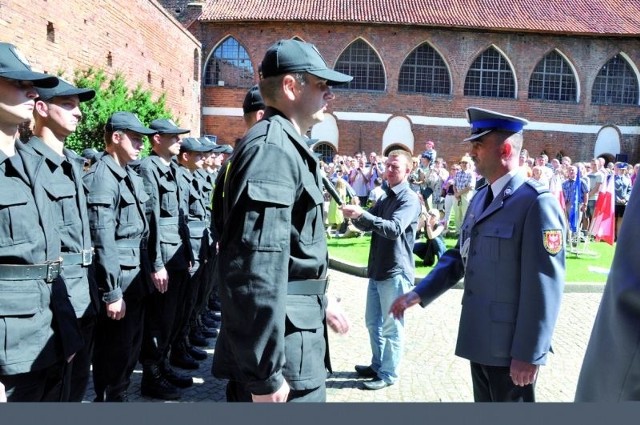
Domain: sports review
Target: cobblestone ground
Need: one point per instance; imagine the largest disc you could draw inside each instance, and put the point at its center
(429, 372)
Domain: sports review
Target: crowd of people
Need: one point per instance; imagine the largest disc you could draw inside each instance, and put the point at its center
(448, 187)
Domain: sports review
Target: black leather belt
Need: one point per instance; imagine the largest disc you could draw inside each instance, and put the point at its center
(82, 258)
(48, 271)
(308, 286)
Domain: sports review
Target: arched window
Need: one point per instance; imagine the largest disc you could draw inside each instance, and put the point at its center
(424, 71)
(229, 65)
(490, 76)
(361, 62)
(325, 150)
(553, 79)
(616, 83)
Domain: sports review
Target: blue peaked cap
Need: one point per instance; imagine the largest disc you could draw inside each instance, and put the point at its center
(484, 121)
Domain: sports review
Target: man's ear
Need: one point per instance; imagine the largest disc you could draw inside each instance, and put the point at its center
(507, 149)
(41, 108)
(289, 84)
(259, 114)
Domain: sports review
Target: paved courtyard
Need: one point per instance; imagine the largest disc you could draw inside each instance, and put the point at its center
(430, 372)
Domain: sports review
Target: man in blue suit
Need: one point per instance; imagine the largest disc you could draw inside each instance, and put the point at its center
(511, 255)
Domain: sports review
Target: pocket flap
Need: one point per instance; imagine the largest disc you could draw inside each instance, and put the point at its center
(59, 190)
(315, 193)
(270, 192)
(19, 298)
(98, 200)
(9, 196)
(305, 312)
(127, 197)
(496, 230)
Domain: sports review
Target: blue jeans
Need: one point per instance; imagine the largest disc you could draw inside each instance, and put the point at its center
(386, 334)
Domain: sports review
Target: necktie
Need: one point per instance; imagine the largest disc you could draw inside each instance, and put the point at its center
(488, 198)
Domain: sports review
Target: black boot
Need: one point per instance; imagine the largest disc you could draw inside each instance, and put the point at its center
(196, 338)
(181, 358)
(155, 385)
(174, 377)
(195, 352)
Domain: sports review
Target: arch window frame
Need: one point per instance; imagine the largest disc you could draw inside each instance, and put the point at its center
(229, 52)
(363, 63)
(426, 67)
(491, 75)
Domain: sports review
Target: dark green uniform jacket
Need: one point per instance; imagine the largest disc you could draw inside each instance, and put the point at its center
(268, 213)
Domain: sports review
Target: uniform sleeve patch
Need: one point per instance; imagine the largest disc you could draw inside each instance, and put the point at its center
(552, 240)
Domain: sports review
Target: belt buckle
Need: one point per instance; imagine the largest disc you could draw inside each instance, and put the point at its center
(87, 256)
(53, 271)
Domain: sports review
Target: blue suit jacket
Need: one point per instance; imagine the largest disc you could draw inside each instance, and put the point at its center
(514, 275)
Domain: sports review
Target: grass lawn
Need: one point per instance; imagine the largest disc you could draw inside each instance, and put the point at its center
(588, 267)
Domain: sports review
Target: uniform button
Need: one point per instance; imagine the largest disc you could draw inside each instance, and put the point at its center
(475, 233)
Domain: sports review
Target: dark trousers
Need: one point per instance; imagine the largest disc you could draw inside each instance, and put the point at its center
(237, 392)
(493, 384)
(81, 364)
(41, 385)
(117, 346)
(164, 317)
(194, 284)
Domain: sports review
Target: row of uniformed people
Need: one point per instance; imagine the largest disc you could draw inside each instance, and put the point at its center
(56, 301)
(148, 307)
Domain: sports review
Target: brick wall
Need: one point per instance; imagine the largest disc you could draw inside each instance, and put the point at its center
(146, 44)
(459, 48)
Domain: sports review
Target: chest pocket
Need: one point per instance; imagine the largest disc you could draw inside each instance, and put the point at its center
(168, 198)
(128, 213)
(497, 241)
(13, 227)
(267, 220)
(63, 195)
(313, 229)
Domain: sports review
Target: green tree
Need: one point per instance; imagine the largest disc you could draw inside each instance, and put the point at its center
(111, 96)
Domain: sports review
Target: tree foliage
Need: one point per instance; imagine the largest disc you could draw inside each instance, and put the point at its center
(111, 96)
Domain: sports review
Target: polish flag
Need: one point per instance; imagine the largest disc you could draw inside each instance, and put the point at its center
(604, 220)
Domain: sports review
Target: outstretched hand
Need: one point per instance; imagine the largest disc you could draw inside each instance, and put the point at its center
(337, 320)
(402, 303)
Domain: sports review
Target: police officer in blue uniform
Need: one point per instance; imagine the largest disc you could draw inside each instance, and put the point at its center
(511, 255)
(56, 114)
(272, 261)
(38, 327)
(119, 231)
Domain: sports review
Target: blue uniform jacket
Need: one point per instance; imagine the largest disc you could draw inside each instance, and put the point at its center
(514, 275)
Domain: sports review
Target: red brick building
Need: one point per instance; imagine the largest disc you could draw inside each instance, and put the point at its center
(569, 66)
(138, 38)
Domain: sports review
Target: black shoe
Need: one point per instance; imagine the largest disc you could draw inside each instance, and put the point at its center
(123, 397)
(196, 338)
(376, 384)
(197, 353)
(182, 359)
(155, 385)
(176, 378)
(366, 371)
(208, 332)
(210, 322)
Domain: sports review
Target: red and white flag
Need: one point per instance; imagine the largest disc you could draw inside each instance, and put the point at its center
(603, 223)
